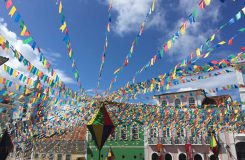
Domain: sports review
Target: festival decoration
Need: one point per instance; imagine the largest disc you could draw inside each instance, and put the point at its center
(105, 44)
(198, 51)
(134, 43)
(110, 155)
(101, 126)
(28, 38)
(166, 47)
(188, 150)
(156, 84)
(214, 145)
(6, 145)
(67, 41)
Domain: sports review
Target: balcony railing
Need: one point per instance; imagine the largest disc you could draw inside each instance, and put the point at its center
(177, 140)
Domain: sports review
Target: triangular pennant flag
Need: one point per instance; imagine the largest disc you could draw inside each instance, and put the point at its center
(12, 11)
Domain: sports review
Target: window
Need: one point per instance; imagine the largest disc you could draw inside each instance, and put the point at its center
(154, 156)
(59, 157)
(168, 157)
(113, 136)
(182, 156)
(180, 132)
(124, 132)
(68, 157)
(177, 102)
(197, 157)
(192, 101)
(135, 133)
(164, 103)
(153, 133)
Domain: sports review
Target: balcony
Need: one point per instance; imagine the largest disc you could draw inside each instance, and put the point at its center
(177, 140)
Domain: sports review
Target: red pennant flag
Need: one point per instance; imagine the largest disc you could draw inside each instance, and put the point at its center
(243, 48)
(9, 4)
(230, 42)
(202, 5)
(27, 34)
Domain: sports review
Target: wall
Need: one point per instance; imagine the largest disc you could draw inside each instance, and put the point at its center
(122, 149)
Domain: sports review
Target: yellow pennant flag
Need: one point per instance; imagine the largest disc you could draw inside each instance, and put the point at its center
(182, 29)
(243, 10)
(153, 6)
(23, 31)
(63, 27)
(212, 37)
(1, 40)
(169, 44)
(60, 7)
(207, 2)
(174, 74)
(222, 42)
(116, 71)
(198, 53)
(12, 11)
(206, 55)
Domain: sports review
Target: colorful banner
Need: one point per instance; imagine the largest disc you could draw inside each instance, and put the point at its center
(198, 52)
(134, 43)
(25, 33)
(67, 40)
(105, 45)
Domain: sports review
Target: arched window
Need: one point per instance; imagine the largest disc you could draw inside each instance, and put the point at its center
(197, 157)
(182, 156)
(177, 102)
(192, 101)
(168, 157)
(164, 103)
(154, 156)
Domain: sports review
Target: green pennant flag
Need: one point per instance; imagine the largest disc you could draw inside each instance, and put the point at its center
(28, 40)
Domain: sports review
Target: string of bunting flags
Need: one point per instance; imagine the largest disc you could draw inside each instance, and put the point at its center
(191, 19)
(13, 13)
(134, 43)
(162, 80)
(108, 29)
(166, 47)
(67, 40)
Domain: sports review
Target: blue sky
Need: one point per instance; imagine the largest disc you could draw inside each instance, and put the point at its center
(87, 21)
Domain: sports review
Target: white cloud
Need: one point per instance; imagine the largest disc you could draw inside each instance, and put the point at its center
(29, 54)
(197, 33)
(131, 14)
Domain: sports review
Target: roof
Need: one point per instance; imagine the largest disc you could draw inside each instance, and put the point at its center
(3, 60)
(201, 90)
(216, 100)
